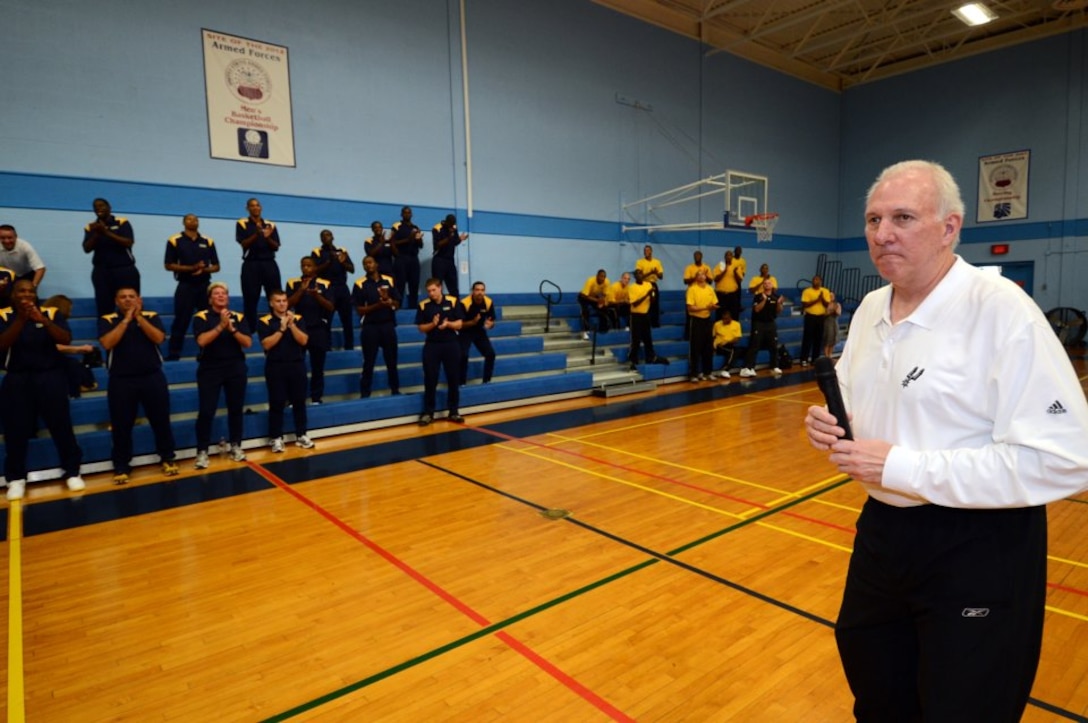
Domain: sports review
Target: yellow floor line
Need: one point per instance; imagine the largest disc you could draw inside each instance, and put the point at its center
(16, 705)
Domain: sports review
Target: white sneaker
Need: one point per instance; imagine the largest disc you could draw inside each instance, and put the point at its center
(277, 444)
(16, 489)
(75, 484)
(237, 454)
(201, 460)
(305, 442)
(747, 372)
(725, 375)
(777, 372)
(585, 336)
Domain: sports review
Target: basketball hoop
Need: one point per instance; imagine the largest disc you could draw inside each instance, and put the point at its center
(764, 224)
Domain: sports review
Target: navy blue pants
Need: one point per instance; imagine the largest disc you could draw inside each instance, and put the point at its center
(124, 396)
(23, 397)
(373, 337)
(188, 299)
(258, 274)
(407, 280)
(107, 281)
(445, 270)
(231, 380)
(442, 356)
(479, 338)
(286, 382)
(341, 299)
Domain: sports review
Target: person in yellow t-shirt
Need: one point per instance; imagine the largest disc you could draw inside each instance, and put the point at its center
(593, 298)
(641, 294)
(814, 302)
(701, 302)
(619, 300)
(652, 273)
(728, 276)
(726, 335)
(693, 268)
(756, 285)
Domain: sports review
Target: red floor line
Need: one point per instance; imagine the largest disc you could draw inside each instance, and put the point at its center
(585, 693)
(1063, 588)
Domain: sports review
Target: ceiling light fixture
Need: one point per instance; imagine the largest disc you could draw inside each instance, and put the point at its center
(974, 14)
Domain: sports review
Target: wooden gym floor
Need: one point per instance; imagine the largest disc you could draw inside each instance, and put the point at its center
(679, 556)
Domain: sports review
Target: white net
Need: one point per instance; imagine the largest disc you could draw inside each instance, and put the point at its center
(764, 224)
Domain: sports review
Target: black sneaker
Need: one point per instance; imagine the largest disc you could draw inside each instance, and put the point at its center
(425, 419)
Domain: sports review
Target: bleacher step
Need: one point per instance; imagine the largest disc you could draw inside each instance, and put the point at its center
(618, 390)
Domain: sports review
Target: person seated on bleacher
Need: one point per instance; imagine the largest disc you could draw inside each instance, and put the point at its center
(223, 336)
(80, 377)
(726, 335)
(131, 338)
(756, 285)
(314, 299)
(593, 298)
(479, 318)
(619, 301)
(35, 385)
(283, 337)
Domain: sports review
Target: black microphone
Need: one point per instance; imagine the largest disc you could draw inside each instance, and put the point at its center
(828, 382)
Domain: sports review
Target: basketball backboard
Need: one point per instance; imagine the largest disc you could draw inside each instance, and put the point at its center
(746, 195)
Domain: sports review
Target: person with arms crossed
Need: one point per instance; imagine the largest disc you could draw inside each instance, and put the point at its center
(110, 240)
(967, 420)
(376, 300)
(619, 301)
(283, 338)
(333, 265)
(34, 385)
(479, 318)
(20, 257)
(439, 317)
(260, 240)
(193, 259)
(223, 336)
(701, 301)
(131, 338)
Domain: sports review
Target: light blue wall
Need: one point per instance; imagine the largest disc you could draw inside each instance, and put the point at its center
(107, 98)
(1027, 97)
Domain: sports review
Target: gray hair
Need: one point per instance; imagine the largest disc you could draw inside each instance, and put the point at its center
(949, 199)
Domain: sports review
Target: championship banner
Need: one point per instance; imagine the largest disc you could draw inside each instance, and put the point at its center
(248, 88)
(1003, 186)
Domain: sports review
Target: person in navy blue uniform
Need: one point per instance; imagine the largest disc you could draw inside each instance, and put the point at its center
(110, 239)
(223, 336)
(439, 317)
(376, 300)
(407, 238)
(311, 298)
(334, 264)
(446, 239)
(479, 319)
(131, 338)
(260, 240)
(283, 338)
(193, 259)
(381, 249)
(7, 280)
(34, 385)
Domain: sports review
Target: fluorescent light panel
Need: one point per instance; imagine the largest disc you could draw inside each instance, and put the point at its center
(974, 14)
